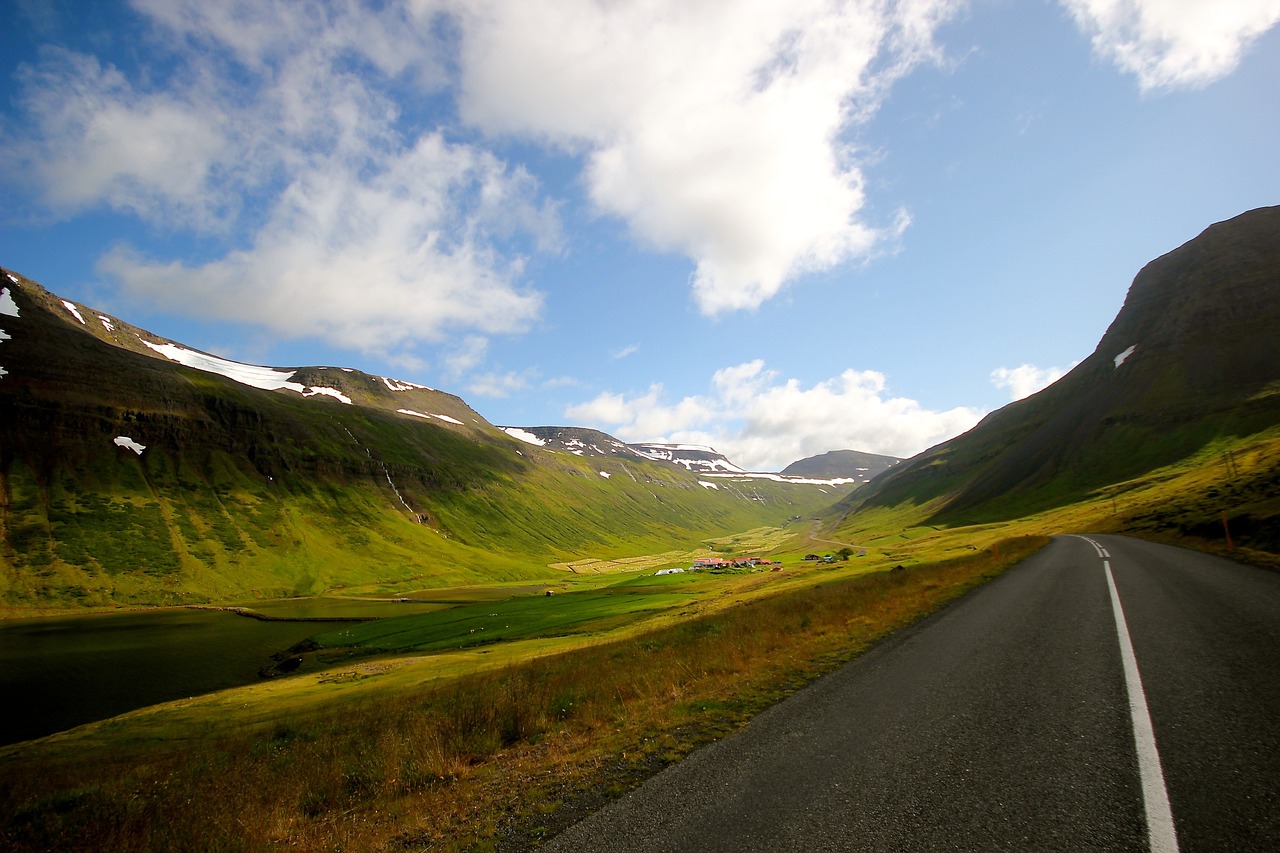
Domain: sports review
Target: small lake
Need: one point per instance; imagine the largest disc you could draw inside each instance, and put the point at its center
(58, 673)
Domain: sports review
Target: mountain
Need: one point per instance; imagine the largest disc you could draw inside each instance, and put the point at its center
(851, 464)
(691, 457)
(1190, 368)
(838, 466)
(581, 441)
(134, 469)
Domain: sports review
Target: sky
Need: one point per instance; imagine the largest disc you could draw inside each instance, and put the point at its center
(777, 229)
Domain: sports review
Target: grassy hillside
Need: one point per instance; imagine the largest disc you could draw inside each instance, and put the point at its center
(1189, 368)
(249, 493)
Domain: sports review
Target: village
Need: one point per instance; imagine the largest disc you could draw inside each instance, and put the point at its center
(714, 563)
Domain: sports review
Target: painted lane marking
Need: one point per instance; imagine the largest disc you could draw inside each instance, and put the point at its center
(1161, 835)
(1101, 552)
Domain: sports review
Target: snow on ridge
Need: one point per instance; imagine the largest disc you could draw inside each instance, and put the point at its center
(707, 485)
(698, 447)
(401, 385)
(266, 378)
(330, 392)
(106, 322)
(781, 478)
(126, 441)
(524, 435)
(7, 306)
(75, 312)
(1120, 359)
(5, 336)
(604, 474)
(11, 278)
(430, 416)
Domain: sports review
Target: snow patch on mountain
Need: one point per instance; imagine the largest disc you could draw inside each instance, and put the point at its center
(331, 392)
(75, 312)
(429, 416)
(1120, 359)
(126, 441)
(524, 435)
(106, 322)
(400, 385)
(707, 485)
(604, 474)
(692, 457)
(7, 306)
(782, 478)
(265, 378)
(5, 336)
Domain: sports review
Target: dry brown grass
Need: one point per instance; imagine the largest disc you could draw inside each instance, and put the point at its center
(493, 760)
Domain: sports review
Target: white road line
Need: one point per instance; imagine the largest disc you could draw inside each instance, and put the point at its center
(1161, 835)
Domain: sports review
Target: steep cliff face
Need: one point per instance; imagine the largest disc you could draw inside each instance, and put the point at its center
(1192, 356)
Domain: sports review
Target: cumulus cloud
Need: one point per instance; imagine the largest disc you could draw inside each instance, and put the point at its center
(1172, 44)
(98, 140)
(1026, 379)
(371, 261)
(498, 385)
(276, 127)
(763, 422)
(716, 130)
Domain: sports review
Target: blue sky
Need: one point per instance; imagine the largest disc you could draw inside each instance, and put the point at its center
(775, 228)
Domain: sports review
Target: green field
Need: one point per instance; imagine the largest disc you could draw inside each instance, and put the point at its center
(516, 619)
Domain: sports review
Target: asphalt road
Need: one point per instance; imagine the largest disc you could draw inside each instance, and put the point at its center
(1005, 722)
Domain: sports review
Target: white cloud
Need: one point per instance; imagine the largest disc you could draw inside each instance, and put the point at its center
(276, 127)
(715, 130)
(467, 356)
(763, 422)
(1172, 44)
(623, 352)
(1026, 379)
(499, 385)
(371, 261)
(95, 139)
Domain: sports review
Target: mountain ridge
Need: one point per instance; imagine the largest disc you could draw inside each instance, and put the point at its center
(372, 485)
(1191, 359)
(856, 464)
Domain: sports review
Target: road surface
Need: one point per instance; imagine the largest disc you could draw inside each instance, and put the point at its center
(1010, 721)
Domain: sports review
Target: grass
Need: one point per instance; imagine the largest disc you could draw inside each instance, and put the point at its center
(515, 619)
(415, 733)
(459, 750)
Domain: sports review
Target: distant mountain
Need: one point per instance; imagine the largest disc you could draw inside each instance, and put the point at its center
(1192, 361)
(592, 443)
(691, 457)
(579, 441)
(840, 466)
(134, 469)
(853, 464)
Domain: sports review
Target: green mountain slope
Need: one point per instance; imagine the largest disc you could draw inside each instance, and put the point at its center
(854, 464)
(245, 492)
(1189, 369)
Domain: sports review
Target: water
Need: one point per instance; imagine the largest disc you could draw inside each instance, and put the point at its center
(59, 673)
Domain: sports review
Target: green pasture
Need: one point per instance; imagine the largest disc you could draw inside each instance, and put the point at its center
(521, 618)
